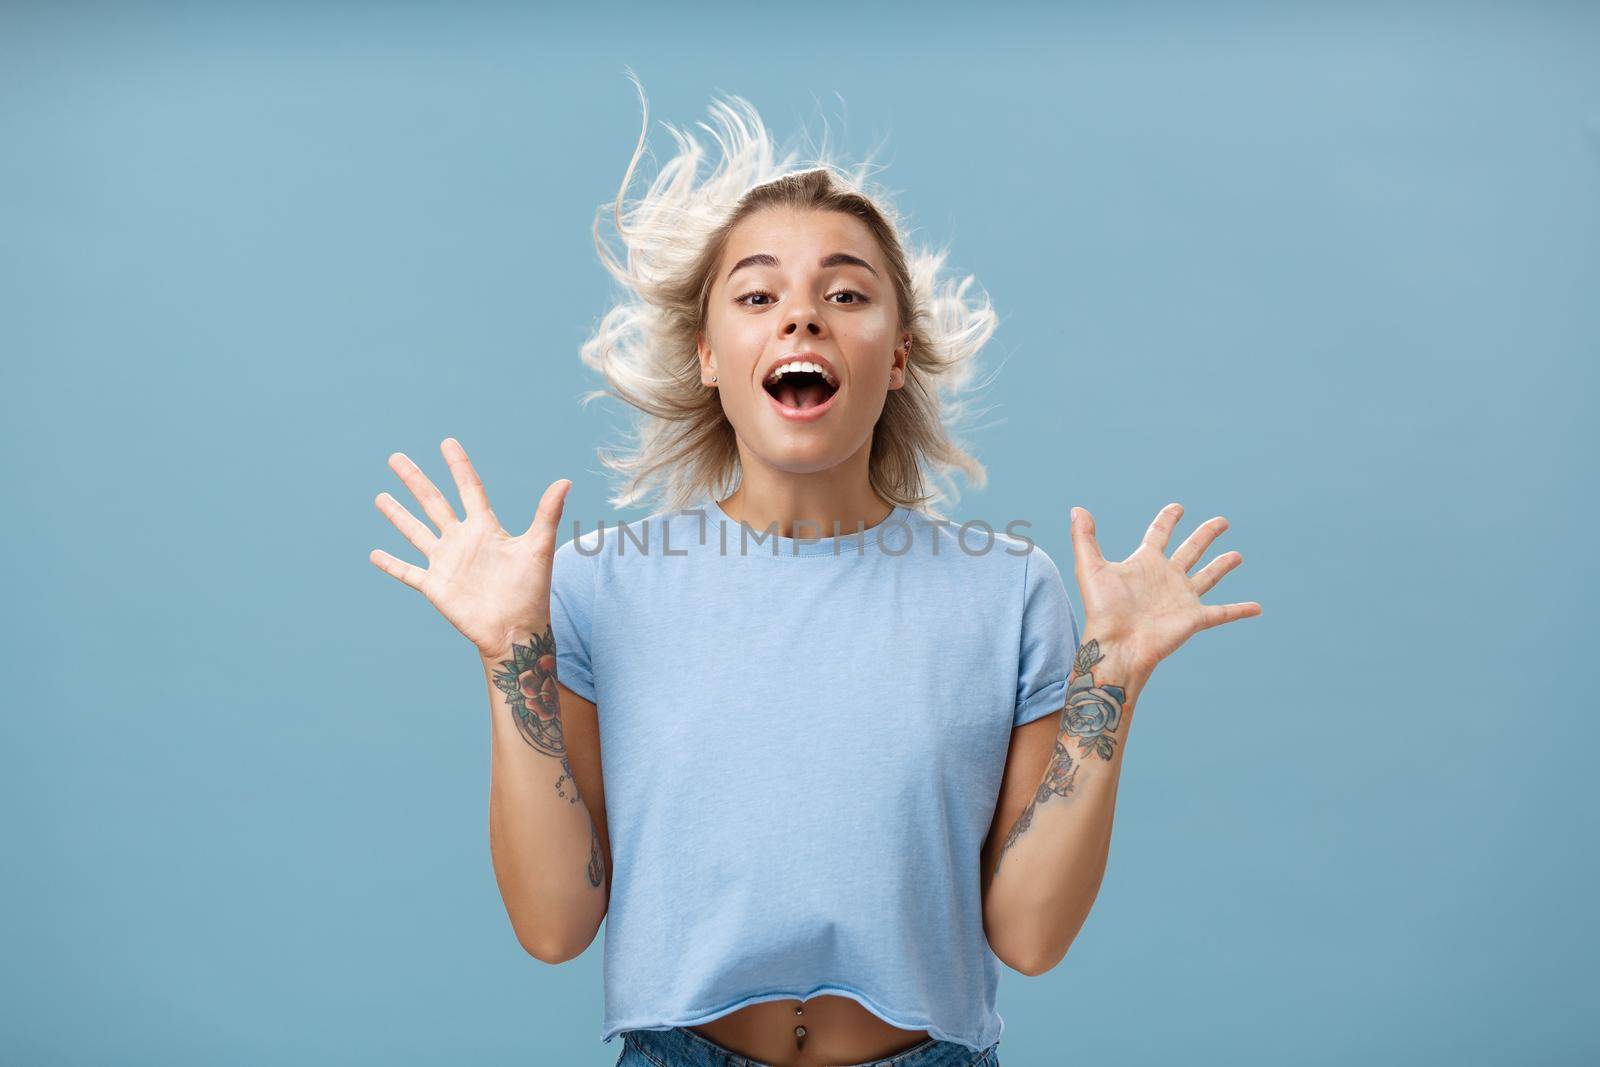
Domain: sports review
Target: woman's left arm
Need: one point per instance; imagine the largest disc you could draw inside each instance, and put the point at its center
(1040, 881)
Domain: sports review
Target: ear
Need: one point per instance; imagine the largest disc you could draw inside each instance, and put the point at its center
(897, 379)
(708, 364)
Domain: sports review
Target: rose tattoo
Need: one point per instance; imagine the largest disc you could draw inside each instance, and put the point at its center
(1092, 711)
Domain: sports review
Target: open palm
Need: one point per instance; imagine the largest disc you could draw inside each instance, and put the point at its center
(492, 586)
(1150, 602)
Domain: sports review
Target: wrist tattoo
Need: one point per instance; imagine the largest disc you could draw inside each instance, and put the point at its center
(1093, 712)
(529, 682)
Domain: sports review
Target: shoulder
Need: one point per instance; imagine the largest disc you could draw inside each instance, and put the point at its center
(611, 543)
(585, 545)
(976, 546)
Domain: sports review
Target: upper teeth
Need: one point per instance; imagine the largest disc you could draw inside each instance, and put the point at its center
(799, 365)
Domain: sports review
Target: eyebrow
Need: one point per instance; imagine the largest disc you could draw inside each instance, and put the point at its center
(835, 259)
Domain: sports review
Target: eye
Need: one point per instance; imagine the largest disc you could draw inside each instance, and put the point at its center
(857, 297)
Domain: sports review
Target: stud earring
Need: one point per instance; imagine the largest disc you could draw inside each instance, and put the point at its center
(713, 379)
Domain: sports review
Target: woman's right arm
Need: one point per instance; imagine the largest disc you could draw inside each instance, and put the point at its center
(550, 851)
(547, 835)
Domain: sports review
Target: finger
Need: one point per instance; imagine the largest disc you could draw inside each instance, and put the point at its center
(415, 530)
(468, 484)
(1217, 614)
(1160, 530)
(1195, 545)
(547, 518)
(1212, 572)
(410, 574)
(433, 502)
(1086, 552)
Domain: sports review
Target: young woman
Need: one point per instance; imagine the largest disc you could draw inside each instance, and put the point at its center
(854, 755)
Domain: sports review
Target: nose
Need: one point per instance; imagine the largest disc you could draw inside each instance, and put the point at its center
(802, 317)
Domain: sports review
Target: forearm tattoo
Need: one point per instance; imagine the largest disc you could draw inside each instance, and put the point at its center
(1058, 782)
(597, 863)
(528, 679)
(1092, 713)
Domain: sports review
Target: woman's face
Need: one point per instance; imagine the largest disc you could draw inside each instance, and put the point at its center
(802, 285)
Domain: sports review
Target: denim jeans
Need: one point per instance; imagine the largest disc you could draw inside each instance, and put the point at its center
(682, 1047)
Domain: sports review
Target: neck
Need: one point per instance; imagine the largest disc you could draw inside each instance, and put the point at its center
(825, 504)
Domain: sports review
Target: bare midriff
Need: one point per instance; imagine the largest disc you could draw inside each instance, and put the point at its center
(835, 1030)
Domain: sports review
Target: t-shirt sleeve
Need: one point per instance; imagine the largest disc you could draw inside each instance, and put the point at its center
(1049, 640)
(572, 618)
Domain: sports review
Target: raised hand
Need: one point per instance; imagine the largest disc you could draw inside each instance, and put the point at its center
(1149, 603)
(490, 585)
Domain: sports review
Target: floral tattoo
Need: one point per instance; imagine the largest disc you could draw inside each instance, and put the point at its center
(1091, 714)
(529, 683)
(1058, 782)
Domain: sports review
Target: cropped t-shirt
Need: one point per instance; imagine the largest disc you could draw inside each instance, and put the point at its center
(802, 742)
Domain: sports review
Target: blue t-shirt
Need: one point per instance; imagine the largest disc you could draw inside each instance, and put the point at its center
(802, 743)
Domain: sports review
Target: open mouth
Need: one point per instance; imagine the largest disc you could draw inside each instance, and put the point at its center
(801, 390)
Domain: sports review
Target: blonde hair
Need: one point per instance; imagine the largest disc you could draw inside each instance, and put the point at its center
(645, 347)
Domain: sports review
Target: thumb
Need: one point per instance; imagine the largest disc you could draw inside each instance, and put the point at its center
(1086, 552)
(547, 518)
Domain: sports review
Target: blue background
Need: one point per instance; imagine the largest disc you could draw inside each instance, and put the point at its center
(1330, 271)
